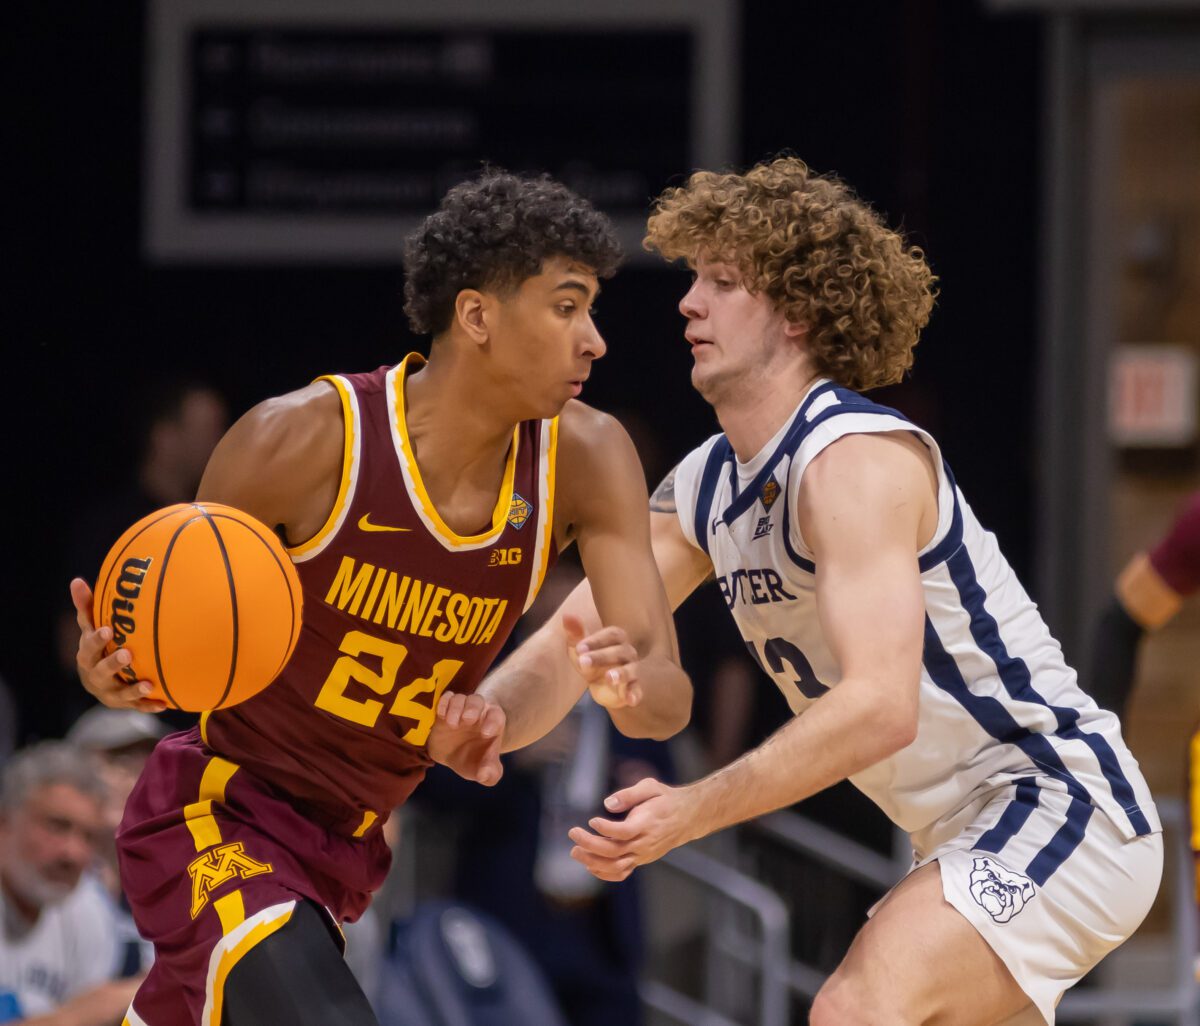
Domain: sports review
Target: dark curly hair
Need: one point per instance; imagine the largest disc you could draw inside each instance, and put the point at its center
(818, 251)
(494, 232)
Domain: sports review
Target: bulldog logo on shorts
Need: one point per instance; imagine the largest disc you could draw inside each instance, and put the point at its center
(999, 892)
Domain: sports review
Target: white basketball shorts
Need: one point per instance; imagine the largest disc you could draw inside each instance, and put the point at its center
(1047, 880)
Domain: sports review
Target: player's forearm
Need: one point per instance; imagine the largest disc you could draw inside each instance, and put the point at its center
(536, 687)
(666, 704)
(843, 733)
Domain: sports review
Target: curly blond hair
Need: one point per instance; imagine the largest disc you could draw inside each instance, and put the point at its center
(821, 254)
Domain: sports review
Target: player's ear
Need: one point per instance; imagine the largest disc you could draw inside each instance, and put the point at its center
(795, 329)
(470, 311)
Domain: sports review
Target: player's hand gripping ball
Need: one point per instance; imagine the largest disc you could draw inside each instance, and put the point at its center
(206, 601)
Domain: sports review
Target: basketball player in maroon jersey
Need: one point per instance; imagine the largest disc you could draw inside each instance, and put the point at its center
(422, 505)
(1148, 592)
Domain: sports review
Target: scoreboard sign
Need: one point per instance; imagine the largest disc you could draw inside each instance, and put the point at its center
(290, 130)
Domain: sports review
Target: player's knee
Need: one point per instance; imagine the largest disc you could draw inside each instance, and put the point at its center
(852, 1002)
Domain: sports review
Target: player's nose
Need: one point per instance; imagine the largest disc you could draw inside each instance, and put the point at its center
(594, 344)
(690, 305)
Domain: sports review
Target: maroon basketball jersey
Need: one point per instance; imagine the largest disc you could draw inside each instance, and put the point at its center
(397, 609)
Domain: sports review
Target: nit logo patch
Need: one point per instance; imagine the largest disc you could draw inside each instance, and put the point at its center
(518, 511)
(216, 866)
(770, 492)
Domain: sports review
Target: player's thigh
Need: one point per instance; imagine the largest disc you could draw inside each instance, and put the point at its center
(298, 976)
(917, 960)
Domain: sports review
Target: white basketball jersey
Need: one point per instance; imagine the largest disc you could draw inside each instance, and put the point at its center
(998, 704)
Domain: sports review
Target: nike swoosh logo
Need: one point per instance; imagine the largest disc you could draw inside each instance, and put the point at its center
(365, 525)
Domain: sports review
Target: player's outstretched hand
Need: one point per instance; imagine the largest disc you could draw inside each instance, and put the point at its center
(659, 818)
(607, 661)
(97, 671)
(467, 735)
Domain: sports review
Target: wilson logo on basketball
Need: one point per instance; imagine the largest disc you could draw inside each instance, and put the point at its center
(128, 588)
(216, 866)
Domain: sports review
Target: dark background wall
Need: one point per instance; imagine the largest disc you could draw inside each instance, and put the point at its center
(929, 107)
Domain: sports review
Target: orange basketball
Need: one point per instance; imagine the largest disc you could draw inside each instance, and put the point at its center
(206, 601)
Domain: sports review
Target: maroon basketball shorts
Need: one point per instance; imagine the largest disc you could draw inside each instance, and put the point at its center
(212, 862)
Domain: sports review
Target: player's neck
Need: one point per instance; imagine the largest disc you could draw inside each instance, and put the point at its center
(451, 396)
(456, 430)
(752, 417)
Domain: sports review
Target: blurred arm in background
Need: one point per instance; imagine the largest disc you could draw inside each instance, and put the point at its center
(1148, 593)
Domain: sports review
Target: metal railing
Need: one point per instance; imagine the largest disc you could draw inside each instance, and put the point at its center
(768, 954)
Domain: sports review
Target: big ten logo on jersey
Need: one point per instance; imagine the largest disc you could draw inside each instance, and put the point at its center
(505, 557)
(217, 865)
(388, 598)
(753, 586)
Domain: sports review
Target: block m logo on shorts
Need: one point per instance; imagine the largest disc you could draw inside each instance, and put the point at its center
(218, 865)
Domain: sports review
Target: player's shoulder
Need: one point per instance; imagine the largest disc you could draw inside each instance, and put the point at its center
(592, 437)
(598, 467)
(294, 421)
(278, 452)
(865, 475)
(867, 456)
(316, 400)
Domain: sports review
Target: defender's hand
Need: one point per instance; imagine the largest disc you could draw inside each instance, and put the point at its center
(659, 818)
(97, 671)
(467, 735)
(607, 661)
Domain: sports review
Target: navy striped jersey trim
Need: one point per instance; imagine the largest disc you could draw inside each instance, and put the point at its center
(1014, 674)
(942, 551)
(807, 565)
(993, 717)
(786, 447)
(1012, 819)
(935, 556)
(709, 479)
(1063, 844)
(1057, 850)
(722, 452)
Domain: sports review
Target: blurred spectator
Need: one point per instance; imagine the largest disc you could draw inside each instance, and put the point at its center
(1148, 593)
(58, 939)
(182, 423)
(514, 853)
(121, 741)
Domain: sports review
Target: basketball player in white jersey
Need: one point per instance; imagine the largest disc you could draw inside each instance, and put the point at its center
(915, 663)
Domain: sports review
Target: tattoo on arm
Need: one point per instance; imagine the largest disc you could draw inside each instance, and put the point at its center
(663, 499)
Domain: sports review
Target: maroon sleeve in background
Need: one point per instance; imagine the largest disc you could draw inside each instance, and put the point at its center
(1177, 556)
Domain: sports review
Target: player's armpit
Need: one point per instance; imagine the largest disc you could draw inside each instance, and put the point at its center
(663, 499)
(682, 566)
